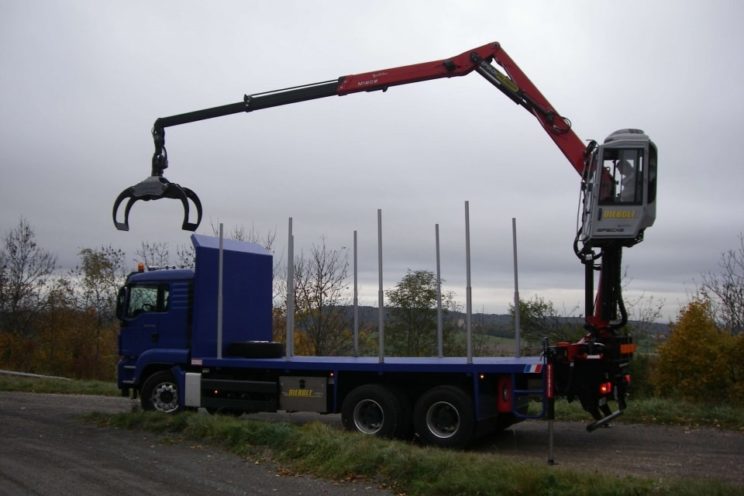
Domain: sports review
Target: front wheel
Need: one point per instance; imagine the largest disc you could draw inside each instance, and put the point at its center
(160, 393)
(444, 417)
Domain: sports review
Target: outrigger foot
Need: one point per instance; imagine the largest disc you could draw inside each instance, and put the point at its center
(603, 421)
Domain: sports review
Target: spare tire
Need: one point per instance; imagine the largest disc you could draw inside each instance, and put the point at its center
(255, 349)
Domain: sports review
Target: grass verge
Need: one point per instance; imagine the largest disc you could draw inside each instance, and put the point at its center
(665, 411)
(56, 385)
(325, 452)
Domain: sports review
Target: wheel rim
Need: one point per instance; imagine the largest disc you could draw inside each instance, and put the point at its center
(368, 417)
(443, 419)
(164, 397)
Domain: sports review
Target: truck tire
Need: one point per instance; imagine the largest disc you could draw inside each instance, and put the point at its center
(375, 410)
(444, 417)
(160, 393)
(256, 349)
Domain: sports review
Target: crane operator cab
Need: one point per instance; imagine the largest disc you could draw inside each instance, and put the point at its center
(619, 190)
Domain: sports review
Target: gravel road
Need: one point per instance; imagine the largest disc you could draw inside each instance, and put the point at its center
(650, 451)
(48, 450)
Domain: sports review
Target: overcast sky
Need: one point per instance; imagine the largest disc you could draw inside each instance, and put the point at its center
(81, 83)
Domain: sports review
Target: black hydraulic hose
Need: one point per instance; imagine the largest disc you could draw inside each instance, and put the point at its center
(621, 306)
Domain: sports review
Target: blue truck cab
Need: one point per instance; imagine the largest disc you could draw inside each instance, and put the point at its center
(169, 317)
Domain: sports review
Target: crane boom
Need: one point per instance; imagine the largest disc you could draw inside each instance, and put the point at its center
(513, 83)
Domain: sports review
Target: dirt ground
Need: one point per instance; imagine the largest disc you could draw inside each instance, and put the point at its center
(47, 449)
(658, 452)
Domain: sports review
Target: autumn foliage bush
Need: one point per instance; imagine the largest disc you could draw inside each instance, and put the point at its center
(700, 361)
(67, 343)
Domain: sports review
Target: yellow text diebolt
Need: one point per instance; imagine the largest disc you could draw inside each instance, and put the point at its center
(618, 214)
(300, 393)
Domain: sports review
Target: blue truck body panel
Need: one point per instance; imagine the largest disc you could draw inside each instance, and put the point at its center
(247, 293)
(454, 365)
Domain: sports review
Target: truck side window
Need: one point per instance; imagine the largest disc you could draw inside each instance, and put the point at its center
(147, 298)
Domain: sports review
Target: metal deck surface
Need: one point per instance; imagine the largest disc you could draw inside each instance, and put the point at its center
(390, 364)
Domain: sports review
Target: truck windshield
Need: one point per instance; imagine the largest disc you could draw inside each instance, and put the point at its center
(147, 298)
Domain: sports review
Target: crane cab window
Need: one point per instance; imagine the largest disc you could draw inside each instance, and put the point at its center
(622, 172)
(147, 298)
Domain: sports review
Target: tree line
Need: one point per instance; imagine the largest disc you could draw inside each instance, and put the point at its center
(64, 323)
(53, 323)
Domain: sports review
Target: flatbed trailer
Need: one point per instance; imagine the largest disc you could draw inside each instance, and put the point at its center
(174, 358)
(445, 401)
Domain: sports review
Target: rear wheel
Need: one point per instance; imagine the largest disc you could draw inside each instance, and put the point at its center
(375, 410)
(444, 417)
(160, 393)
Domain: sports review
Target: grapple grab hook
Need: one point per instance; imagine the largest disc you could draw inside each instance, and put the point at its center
(154, 188)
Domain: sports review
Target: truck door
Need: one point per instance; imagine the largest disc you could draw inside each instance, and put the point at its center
(150, 319)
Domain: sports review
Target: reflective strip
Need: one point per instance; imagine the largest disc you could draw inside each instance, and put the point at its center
(628, 349)
(533, 369)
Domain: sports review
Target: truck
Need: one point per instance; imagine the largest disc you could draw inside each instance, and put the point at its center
(172, 354)
(180, 347)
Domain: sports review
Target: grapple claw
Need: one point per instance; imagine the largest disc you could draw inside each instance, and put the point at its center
(127, 193)
(189, 226)
(155, 188)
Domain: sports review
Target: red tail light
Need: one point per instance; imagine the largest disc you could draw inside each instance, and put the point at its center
(605, 388)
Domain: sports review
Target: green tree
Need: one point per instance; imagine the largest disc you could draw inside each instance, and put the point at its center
(538, 318)
(412, 325)
(411, 328)
(699, 361)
